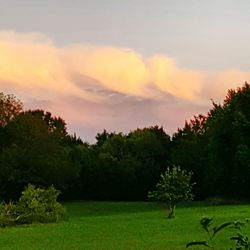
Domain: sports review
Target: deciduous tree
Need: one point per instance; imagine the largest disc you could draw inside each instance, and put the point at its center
(10, 107)
(175, 186)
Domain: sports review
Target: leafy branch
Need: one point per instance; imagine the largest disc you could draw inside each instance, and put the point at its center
(240, 239)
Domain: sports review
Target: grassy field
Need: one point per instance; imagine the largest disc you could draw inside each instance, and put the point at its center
(122, 225)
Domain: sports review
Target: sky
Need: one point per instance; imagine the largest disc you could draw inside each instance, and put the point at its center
(119, 65)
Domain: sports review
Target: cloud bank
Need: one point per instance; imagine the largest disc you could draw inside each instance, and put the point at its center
(106, 87)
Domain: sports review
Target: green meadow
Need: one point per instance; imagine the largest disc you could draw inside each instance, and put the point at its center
(124, 225)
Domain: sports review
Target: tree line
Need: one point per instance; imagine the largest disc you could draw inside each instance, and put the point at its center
(36, 148)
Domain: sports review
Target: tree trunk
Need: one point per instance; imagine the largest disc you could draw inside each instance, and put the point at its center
(171, 213)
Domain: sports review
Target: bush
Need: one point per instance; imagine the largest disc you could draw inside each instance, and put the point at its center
(7, 214)
(34, 205)
(39, 205)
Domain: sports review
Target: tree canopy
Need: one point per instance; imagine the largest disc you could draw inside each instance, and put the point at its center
(10, 107)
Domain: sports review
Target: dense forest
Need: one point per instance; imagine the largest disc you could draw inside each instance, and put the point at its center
(36, 148)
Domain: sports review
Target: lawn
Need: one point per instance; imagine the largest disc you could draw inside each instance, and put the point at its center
(122, 225)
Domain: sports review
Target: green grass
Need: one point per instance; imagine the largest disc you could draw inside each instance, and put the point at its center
(122, 225)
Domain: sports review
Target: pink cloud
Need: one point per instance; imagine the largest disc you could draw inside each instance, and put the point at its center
(94, 88)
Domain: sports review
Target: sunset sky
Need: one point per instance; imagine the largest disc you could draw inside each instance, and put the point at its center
(120, 65)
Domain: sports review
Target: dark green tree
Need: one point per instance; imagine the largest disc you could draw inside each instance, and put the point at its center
(189, 149)
(229, 145)
(151, 148)
(35, 153)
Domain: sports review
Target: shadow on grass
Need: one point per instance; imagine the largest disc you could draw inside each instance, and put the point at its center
(104, 208)
(109, 208)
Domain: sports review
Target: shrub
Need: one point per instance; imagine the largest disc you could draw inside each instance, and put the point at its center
(34, 205)
(39, 205)
(7, 214)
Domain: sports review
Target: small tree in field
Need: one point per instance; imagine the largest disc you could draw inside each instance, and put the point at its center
(174, 186)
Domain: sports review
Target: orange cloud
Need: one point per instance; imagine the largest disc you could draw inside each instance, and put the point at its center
(119, 70)
(216, 84)
(168, 78)
(96, 80)
(32, 61)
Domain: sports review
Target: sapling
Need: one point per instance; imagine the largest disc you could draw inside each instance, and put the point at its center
(175, 186)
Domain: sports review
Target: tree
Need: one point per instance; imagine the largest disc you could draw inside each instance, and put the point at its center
(126, 166)
(216, 147)
(35, 152)
(116, 167)
(228, 147)
(188, 148)
(55, 126)
(102, 137)
(174, 186)
(150, 147)
(10, 107)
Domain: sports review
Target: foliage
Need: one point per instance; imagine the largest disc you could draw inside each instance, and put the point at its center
(35, 152)
(39, 205)
(216, 147)
(188, 149)
(123, 166)
(174, 186)
(240, 239)
(228, 145)
(34, 205)
(8, 214)
(10, 107)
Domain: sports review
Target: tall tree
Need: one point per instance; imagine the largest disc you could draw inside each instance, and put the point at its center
(229, 144)
(188, 150)
(150, 146)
